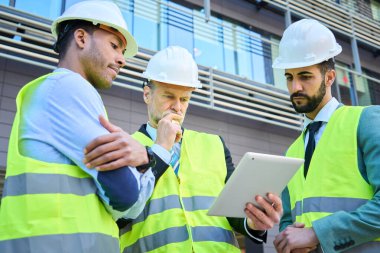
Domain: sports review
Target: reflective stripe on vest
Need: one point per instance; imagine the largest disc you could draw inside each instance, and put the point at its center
(180, 234)
(169, 202)
(175, 219)
(61, 243)
(29, 183)
(334, 182)
(160, 239)
(50, 207)
(326, 205)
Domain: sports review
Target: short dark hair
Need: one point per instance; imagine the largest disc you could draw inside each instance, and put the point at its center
(66, 31)
(326, 66)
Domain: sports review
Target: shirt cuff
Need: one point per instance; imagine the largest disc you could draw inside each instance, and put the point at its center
(146, 182)
(249, 232)
(162, 153)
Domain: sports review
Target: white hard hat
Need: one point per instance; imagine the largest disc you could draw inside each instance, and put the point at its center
(305, 43)
(99, 12)
(173, 65)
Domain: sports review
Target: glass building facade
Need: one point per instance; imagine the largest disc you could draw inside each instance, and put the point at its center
(221, 43)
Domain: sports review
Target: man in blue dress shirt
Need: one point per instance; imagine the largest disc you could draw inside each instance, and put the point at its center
(199, 165)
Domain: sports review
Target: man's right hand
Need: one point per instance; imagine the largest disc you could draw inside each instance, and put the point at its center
(169, 130)
(115, 150)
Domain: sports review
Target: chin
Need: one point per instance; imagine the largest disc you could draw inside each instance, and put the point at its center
(103, 85)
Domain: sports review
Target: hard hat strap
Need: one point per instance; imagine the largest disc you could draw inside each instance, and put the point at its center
(63, 31)
(148, 83)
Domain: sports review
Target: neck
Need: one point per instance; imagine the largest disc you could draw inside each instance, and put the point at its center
(72, 63)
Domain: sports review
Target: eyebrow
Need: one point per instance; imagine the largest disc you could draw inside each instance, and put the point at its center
(304, 73)
(300, 73)
(170, 93)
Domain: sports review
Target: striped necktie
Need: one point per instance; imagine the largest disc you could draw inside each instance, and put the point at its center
(175, 152)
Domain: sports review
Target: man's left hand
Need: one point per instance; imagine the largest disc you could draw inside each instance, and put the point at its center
(114, 150)
(267, 215)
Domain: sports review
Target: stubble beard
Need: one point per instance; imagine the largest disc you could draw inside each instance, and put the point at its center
(98, 69)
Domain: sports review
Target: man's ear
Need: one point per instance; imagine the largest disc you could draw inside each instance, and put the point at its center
(81, 37)
(147, 94)
(330, 77)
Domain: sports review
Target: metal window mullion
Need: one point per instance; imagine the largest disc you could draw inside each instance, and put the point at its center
(288, 15)
(207, 9)
(211, 83)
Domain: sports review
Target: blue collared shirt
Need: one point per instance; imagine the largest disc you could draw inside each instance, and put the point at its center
(323, 115)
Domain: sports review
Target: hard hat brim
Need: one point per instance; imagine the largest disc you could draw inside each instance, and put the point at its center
(131, 48)
(198, 85)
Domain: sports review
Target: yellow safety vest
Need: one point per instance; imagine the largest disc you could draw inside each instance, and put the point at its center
(175, 219)
(333, 182)
(49, 207)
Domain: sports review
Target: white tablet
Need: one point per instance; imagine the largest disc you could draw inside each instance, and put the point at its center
(256, 174)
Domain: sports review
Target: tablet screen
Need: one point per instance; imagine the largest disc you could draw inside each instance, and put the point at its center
(256, 174)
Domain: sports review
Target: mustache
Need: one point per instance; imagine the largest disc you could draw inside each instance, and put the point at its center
(298, 94)
(173, 112)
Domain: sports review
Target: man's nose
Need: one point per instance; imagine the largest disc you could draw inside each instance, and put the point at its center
(120, 60)
(176, 106)
(296, 86)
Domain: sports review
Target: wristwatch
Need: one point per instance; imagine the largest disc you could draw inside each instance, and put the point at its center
(151, 161)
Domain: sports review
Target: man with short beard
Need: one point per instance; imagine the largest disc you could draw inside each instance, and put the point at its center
(332, 203)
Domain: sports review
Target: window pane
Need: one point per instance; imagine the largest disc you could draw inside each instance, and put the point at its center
(343, 80)
(4, 2)
(126, 8)
(68, 3)
(374, 91)
(243, 53)
(373, 86)
(362, 90)
(45, 8)
(278, 74)
(208, 42)
(180, 27)
(260, 52)
(230, 55)
(375, 7)
(145, 23)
